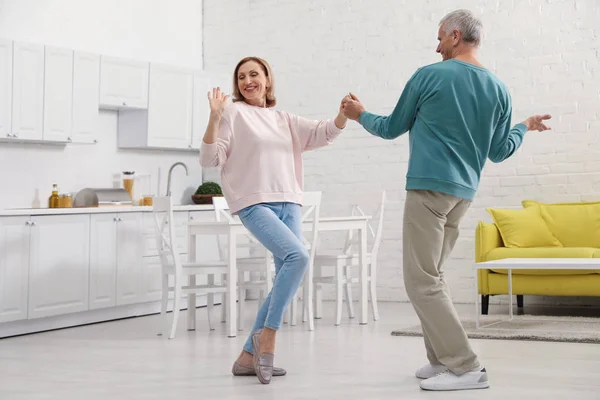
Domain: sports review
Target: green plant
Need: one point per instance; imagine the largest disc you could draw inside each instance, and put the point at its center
(209, 188)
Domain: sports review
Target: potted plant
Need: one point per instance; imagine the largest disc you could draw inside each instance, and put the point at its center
(206, 192)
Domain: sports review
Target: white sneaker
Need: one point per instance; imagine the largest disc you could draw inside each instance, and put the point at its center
(475, 379)
(430, 370)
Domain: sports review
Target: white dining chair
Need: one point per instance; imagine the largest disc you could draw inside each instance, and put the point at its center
(173, 267)
(257, 265)
(311, 211)
(343, 262)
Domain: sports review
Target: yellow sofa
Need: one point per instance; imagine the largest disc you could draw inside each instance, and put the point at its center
(540, 230)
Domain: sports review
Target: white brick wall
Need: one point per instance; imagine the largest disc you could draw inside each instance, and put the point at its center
(547, 51)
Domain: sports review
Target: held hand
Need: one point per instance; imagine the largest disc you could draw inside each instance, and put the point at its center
(352, 107)
(536, 122)
(341, 119)
(217, 101)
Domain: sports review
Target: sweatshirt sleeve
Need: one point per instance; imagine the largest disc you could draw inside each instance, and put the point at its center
(313, 134)
(506, 140)
(215, 154)
(401, 119)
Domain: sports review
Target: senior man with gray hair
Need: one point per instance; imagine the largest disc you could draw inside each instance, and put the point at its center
(459, 115)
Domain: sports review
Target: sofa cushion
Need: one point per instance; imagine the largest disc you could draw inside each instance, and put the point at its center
(523, 228)
(573, 224)
(544, 252)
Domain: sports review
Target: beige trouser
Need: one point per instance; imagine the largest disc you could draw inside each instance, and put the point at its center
(431, 221)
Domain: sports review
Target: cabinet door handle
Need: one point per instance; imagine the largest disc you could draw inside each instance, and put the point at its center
(191, 218)
(124, 103)
(69, 139)
(8, 135)
(33, 223)
(16, 135)
(119, 219)
(28, 223)
(95, 141)
(115, 219)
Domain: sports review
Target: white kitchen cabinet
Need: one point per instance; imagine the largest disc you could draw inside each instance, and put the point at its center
(129, 258)
(167, 123)
(86, 91)
(123, 83)
(170, 107)
(6, 76)
(103, 261)
(28, 91)
(14, 267)
(202, 85)
(58, 94)
(59, 265)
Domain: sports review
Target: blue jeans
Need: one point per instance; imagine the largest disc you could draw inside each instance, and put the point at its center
(278, 227)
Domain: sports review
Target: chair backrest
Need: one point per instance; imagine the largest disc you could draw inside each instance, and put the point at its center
(375, 234)
(311, 208)
(222, 209)
(164, 230)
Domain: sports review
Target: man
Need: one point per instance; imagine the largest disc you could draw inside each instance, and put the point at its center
(458, 115)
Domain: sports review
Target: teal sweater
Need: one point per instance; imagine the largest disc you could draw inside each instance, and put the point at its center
(458, 115)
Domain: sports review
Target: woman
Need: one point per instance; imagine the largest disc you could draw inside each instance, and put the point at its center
(260, 151)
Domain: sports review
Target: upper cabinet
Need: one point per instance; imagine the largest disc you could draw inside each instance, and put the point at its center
(86, 90)
(58, 94)
(123, 83)
(28, 91)
(6, 63)
(54, 95)
(167, 123)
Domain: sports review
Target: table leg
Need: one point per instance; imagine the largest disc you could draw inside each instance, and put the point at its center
(362, 253)
(232, 285)
(510, 294)
(476, 298)
(191, 319)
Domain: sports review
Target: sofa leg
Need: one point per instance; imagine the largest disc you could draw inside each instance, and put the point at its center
(485, 303)
(520, 300)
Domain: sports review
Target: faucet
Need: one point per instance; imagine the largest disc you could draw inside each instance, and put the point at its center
(169, 177)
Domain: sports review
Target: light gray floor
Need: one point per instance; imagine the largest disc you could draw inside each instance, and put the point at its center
(126, 360)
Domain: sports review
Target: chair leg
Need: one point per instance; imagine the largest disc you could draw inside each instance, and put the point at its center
(294, 310)
(176, 306)
(308, 299)
(318, 300)
(520, 300)
(338, 295)
(485, 303)
(348, 289)
(210, 302)
(241, 300)
(373, 290)
(223, 300)
(164, 304)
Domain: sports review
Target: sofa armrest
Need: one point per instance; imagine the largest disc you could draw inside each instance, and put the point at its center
(487, 238)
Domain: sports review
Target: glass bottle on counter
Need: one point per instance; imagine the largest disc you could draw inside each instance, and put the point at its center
(53, 200)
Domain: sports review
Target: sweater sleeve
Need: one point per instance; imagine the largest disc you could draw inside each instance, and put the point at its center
(313, 134)
(215, 154)
(506, 140)
(401, 119)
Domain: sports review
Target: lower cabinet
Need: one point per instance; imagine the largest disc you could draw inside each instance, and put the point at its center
(61, 264)
(58, 265)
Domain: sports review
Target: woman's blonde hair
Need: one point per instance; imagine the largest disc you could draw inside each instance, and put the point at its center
(270, 92)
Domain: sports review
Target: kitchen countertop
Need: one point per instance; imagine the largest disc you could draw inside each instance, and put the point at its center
(98, 210)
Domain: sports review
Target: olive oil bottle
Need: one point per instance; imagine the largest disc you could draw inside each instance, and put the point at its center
(53, 199)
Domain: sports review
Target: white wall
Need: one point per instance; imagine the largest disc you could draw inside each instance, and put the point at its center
(150, 30)
(546, 51)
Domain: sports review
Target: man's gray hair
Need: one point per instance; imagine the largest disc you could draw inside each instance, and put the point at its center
(466, 23)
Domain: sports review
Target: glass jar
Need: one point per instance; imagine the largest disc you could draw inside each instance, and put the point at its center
(65, 200)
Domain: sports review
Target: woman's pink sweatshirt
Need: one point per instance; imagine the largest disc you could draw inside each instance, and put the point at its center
(260, 152)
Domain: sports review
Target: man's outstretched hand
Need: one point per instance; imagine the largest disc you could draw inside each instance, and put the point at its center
(536, 122)
(352, 107)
